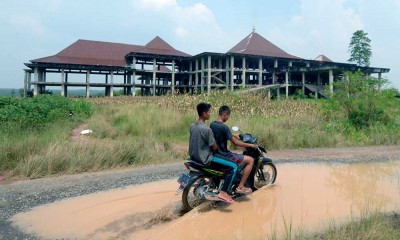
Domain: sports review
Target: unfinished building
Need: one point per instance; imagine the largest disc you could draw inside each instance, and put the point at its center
(157, 68)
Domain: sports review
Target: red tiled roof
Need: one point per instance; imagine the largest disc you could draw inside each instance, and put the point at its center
(323, 58)
(160, 47)
(88, 52)
(255, 44)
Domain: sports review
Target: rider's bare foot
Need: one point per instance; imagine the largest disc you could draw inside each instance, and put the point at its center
(223, 196)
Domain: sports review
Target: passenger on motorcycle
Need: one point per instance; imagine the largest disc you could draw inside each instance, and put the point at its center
(222, 134)
(201, 147)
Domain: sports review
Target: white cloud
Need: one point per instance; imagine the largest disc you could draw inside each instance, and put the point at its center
(154, 4)
(181, 32)
(27, 23)
(191, 29)
(322, 27)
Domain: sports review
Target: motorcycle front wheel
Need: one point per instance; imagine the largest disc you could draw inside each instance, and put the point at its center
(265, 175)
(193, 194)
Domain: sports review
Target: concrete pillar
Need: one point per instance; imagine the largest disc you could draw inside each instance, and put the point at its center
(244, 72)
(276, 63)
(36, 80)
(232, 67)
(112, 84)
(66, 87)
(25, 83)
(287, 83)
(196, 76)
(29, 81)
(88, 84)
(134, 76)
(128, 83)
(290, 64)
(308, 64)
(154, 76)
(191, 78)
(173, 77)
(273, 78)
(209, 75)
(202, 75)
(134, 82)
(318, 85)
(331, 81)
(227, 72)
(303, 82)
(260, 70)
(62, 82)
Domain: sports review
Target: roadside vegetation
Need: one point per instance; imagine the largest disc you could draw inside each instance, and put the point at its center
(36, 141)
(370, 225)
(36, 138)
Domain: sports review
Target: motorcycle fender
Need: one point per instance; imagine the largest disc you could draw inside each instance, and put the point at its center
(266, 160)
(185, 179)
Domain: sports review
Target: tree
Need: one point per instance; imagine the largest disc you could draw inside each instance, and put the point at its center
(360, 49)
(360, 101)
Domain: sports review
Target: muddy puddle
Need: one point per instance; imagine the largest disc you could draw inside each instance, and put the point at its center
(305, 196)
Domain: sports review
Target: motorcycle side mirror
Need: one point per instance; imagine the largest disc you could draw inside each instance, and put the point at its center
(235, 128)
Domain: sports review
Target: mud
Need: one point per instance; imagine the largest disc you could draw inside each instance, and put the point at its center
(305, 196)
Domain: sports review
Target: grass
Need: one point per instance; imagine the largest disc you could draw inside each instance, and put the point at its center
(149, 130)
(370, 225)
(132, 131)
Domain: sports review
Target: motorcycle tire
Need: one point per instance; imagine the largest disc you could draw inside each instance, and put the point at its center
(265, 175)
(193, 194)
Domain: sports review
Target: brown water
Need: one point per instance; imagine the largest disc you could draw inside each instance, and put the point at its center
(307, 197)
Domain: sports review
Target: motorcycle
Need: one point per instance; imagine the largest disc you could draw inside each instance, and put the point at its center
(203, 184)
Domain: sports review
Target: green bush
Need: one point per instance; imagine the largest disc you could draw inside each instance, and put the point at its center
(360, 101)
(38, 111)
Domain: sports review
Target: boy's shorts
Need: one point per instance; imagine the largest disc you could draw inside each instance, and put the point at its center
(237, 158)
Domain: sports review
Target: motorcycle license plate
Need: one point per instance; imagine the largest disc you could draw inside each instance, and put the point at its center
(184, 180)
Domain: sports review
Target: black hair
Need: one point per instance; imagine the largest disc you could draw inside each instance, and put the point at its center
(203, 107)
(224, 109)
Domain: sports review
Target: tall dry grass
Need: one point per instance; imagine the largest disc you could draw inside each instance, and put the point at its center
(144, 130)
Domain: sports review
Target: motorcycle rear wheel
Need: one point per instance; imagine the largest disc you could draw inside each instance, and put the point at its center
(265, 175)
(193, 194)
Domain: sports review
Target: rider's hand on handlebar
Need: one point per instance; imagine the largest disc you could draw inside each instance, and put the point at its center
(255, 146)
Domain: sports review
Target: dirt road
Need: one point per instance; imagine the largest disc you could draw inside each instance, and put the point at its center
(21, 196)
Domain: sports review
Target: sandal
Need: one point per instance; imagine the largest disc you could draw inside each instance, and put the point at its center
(244, 190)
(227, 200)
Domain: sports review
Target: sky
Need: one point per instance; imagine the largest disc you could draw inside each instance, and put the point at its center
(304, 28)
